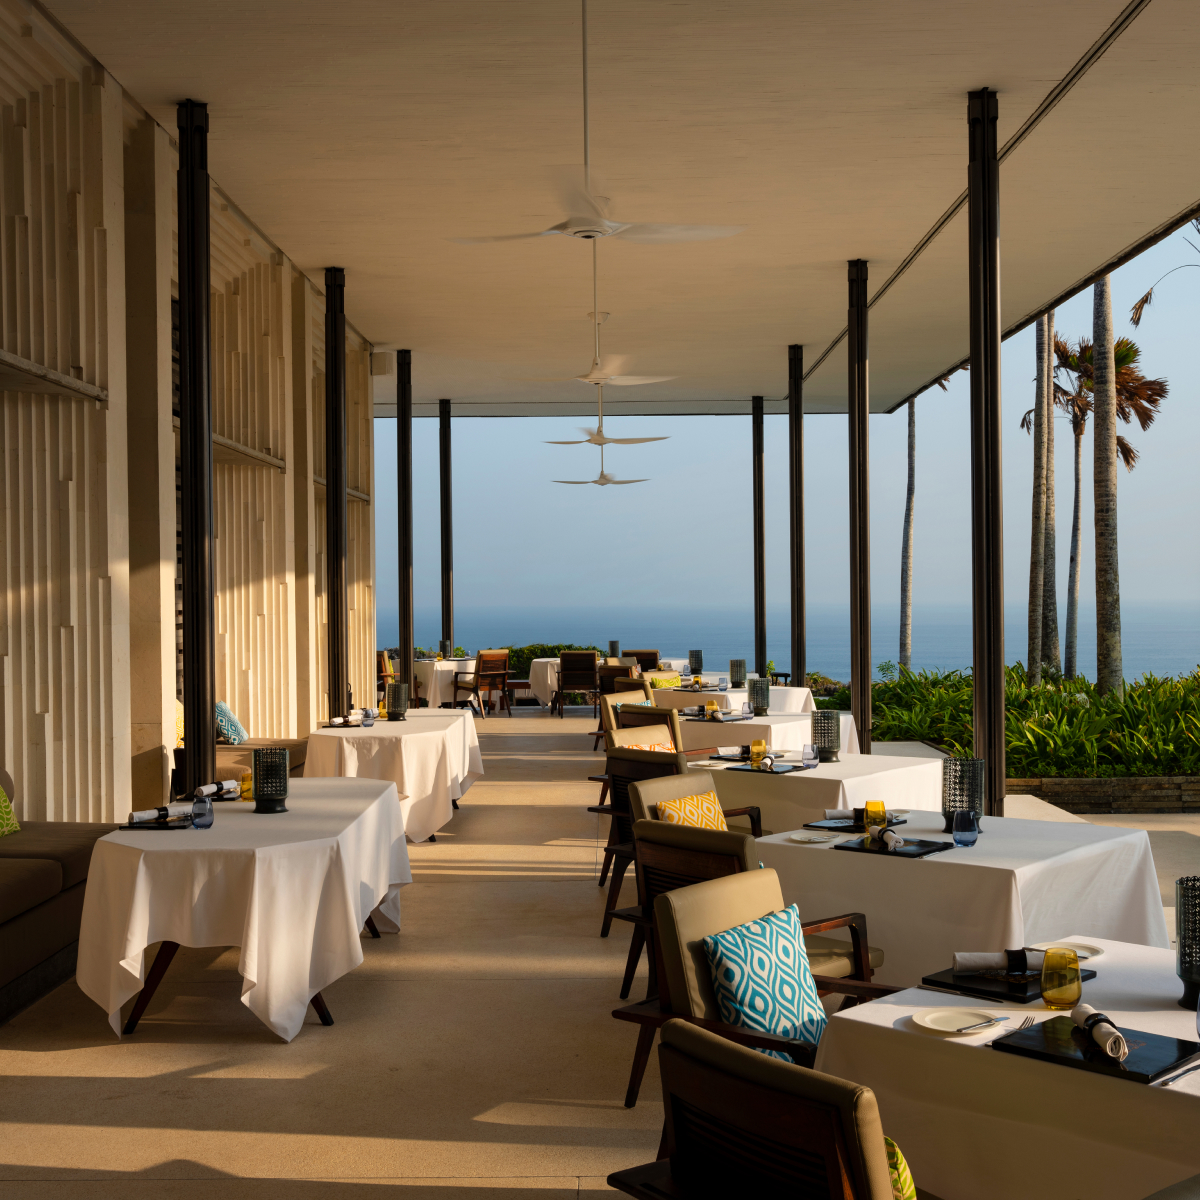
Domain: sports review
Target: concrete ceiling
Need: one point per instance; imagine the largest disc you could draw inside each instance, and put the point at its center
(369, 134)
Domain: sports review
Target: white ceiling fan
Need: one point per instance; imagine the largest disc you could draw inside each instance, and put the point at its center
(604, 479)
(588, 213)
(596, 437)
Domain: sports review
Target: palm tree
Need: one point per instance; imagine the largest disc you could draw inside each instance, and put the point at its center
(1037, 539)
(1137, 399)
(1109, 676)
(1050, 652)
(906, 545)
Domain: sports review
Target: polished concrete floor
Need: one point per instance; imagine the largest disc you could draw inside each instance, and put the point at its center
(472, 1054)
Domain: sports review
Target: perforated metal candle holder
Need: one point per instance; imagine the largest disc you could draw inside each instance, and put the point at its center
(737, 672)
(270, 779)
(760, 696)
(962, 788)
(444, 648)
(696, 661)
(826, 733)
(614, 649)
(1187, 932)
(396, 698)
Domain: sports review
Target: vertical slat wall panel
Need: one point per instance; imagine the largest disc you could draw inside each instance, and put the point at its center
(64, 616)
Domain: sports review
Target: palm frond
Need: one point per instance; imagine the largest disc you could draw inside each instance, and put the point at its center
(1135, 313)
(1126, 453)
(1027, 421)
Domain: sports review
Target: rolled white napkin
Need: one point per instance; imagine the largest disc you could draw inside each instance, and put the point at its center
(144, 816)
(1104, 1033)
(211, 789)
(839, 814)
(893, 841)
(998, 960)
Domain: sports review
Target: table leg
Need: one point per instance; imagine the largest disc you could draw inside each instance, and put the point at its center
(322, 1009)
(371, 928)
(162, 960)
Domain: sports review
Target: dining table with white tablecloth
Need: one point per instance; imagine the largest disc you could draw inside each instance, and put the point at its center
(783, 699)
(976, 1123)
(783, 732)
(788, 801)
(435, 679)
(432, 757)
(1021, 883)
(293, 890)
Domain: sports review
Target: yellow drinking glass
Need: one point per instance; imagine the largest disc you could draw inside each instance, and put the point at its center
(758, 747)
(876, 813)
(710, 710)
(1061, 985)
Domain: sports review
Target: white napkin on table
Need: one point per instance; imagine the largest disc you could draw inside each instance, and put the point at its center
(1104, 1033)
(839, 814)
(994, 960)
(893, 841)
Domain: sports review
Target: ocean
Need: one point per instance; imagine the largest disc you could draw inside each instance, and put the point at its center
(1157, 639)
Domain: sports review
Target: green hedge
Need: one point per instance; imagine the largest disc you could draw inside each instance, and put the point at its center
(519, 657)
(1059, 729)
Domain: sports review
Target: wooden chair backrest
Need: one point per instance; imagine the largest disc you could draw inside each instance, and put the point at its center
(639, 717)
(675, 856)
(577, 671)
(634, 685)
(607, 676)
(646, 659)
(730, 1133)
(624, 767)
(491, 669)
(383, 665)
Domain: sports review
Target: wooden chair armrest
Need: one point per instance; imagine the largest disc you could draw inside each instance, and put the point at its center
(753, 812)
(855, 987)
(859, 947)
(650, 1013)
(605, 810)
(598, 779)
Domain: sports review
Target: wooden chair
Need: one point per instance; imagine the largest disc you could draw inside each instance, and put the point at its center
(647, 660)
(668, 856)
(490, 674)
(685, 916)
(634, 685)
(384, 672)
(576, 673)
(624, 767)
(640, 716)
(644, 798)
(606, 678)
(739, 1123)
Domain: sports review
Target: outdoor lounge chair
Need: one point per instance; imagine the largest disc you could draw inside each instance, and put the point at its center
(741, 1124)
(682, 918)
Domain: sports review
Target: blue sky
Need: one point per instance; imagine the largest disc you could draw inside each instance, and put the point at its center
(521, 540)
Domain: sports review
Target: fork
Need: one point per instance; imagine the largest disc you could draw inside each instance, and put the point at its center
(1025, 1024)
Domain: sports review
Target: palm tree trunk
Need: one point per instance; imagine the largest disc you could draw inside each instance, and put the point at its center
(906, 545)
(1037, 537)
(1050, 652)
(1072, 647)
(1104, 493)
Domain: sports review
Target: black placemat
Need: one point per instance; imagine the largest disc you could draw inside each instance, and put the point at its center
(723, 720)
(776, 769)
(1022, 991)
(913, 849)
(1060, 1040)
(836, 825)
(174, 823)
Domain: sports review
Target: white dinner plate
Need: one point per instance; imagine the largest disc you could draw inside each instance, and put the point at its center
(951, 1020)
(806, 839)
(899, 812)
(1085, 950)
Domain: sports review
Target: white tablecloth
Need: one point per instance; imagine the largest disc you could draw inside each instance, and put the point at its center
(432, 758)
(979, 1124)
(1022, 882)
(436, 680)
(543, 679)
(293, 890)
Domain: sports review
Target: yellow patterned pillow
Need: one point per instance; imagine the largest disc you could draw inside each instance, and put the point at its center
(8, 819)
(669, 681)
(667, 747)
(701, 812)
(178, 723)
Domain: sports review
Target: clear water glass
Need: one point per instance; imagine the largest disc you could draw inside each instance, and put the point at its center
(746, 709)
(966, 827)
(722, 683)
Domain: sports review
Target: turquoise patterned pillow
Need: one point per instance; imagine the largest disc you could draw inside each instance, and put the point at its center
(228, 726)
(762, 979)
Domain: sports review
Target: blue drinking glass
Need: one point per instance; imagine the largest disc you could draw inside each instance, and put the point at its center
(722, 684)
(966, 827)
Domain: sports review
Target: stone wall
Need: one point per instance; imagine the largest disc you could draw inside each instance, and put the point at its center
(1145, 794)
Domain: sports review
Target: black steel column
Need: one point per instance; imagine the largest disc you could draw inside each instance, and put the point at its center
(404, 513)
(799, 667)
(195, 448)
(447, 523)
(858, 408)
(760, 542)
(337, 615)
(987, 509)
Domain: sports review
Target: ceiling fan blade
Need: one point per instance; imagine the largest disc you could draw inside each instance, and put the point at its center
(576, 197)
(634, 441)
(620, 481)
(581, 482)
(504, 237)
(636, 380)
(665, 234)
(582, 443)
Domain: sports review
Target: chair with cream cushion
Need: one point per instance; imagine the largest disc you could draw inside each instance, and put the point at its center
(742, 1124)
(638, 725)
(683, 918)
(645, 796)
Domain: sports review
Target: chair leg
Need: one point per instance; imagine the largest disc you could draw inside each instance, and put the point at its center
(614, 891)
(372, 928)
(162, 960)
(631, 963)
(608, 852)
(322, 1009)
(479, 701)
(641, 1056)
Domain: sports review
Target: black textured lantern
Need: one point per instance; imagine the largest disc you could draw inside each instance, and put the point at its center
(270, 779)
(760, 696)
(962, 788)
(1187, 933)
(696, 661)
(827, 733)
(614, 649)
(737, 672)
(396, 701)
